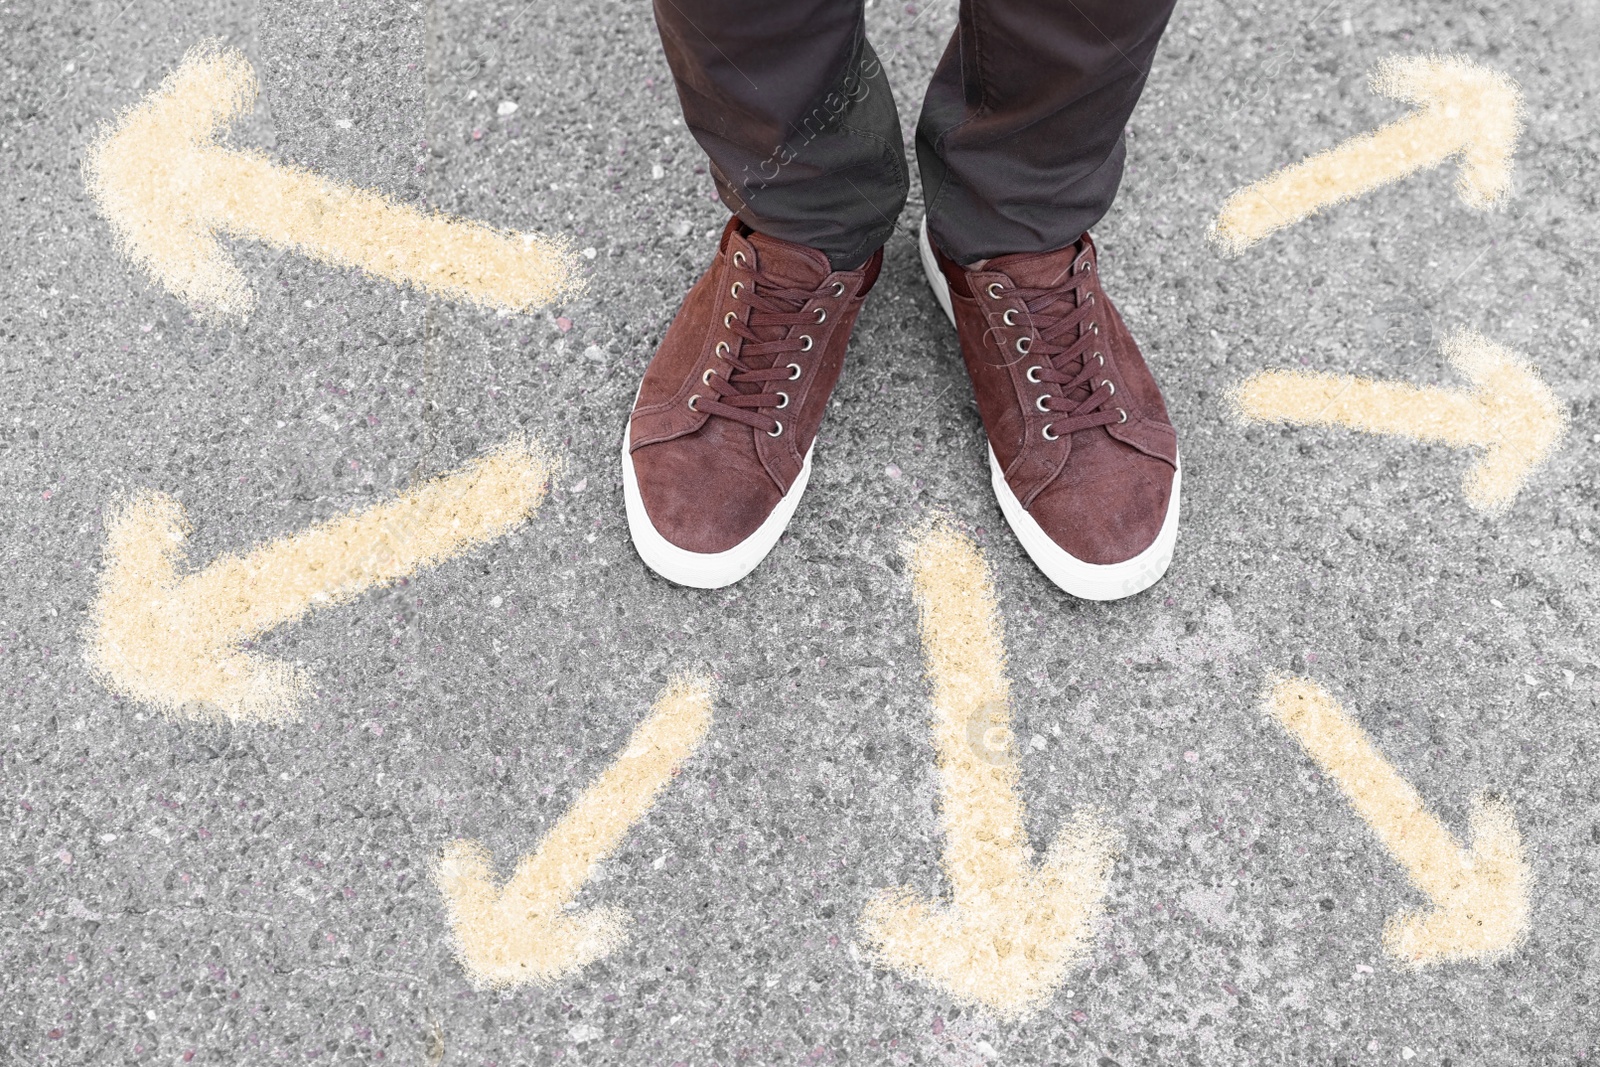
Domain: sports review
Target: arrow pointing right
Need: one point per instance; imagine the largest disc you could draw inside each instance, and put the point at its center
(166, 186)
(1509, 412)
(1480, 896)
(1465, 109)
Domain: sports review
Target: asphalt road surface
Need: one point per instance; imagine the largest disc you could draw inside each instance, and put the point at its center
(213, 892)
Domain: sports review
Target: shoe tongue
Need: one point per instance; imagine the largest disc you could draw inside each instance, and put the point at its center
(789, 264)
(1036, 270)
(785, 264)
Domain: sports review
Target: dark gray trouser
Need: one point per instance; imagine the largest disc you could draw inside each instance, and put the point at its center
(1020, 141)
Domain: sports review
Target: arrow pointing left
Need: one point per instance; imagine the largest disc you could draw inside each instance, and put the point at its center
(167, 187)
(171, 640)
(526, 931)
(1013, 928)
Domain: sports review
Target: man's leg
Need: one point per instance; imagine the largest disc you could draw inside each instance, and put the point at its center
(1020, 140)
(1020, 144)
(791, 104)
(793, 108)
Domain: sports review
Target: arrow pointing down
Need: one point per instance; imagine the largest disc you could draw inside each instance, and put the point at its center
(525, 932)
(1464, 109)
(171, 640)
(167, 187)
(1012, 929)
(1509, 412)
(1480, 896)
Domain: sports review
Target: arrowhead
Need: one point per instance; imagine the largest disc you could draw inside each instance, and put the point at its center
(1013, 953)
(1522, 420)
(1484, 912)
(506, 938)
(1474, 110)
(151, 641)
(148, 174)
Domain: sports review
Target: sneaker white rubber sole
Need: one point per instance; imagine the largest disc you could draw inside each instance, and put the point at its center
(704, 570)
(1088, 581)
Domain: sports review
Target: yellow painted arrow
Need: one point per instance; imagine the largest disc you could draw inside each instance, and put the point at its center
(1509, 412)
(167, 187)
(1464, 109)
(525, 931)
(1480, 897)
(171, 640)
(1012, 929)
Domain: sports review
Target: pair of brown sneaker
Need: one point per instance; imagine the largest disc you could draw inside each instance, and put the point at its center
(1082, 455)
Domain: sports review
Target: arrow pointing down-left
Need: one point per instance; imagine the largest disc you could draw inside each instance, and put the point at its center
(526, 930)
(171, 640)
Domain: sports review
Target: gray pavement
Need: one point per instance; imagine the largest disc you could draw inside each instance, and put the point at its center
(178, 892)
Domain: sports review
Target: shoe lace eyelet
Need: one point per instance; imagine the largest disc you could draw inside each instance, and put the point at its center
(1101, 357)
(778, 432)
(727, 320)
(1109, 384)
(822, 315)
(838, 289)
(722, 348)
(785, 403)
(994, 290)
(1046, 434)
(1124, 415)
(1033, 374)
(806, 337)
(1010, 317)
(705, 379)
(1041, 403)
(1024, 344)
(1095, 328)
(692, 399)
(733, 290)
(738, 259)
(795, 368)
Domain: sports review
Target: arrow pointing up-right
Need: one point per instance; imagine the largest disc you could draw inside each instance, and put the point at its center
(1463, 109)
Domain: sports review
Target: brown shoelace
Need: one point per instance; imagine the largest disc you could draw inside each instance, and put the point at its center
(1068, 353)
(757, 362)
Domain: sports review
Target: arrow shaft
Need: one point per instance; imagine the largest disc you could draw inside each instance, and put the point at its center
(1351, 169)
(1367, 162)
(251, 196)
(597, 822)
(1385, 800)
(964, 651)
(241, 596)
(1450, 416)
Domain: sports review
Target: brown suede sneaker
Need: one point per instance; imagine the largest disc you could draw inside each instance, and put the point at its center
(1082, 455)
(718, 450)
